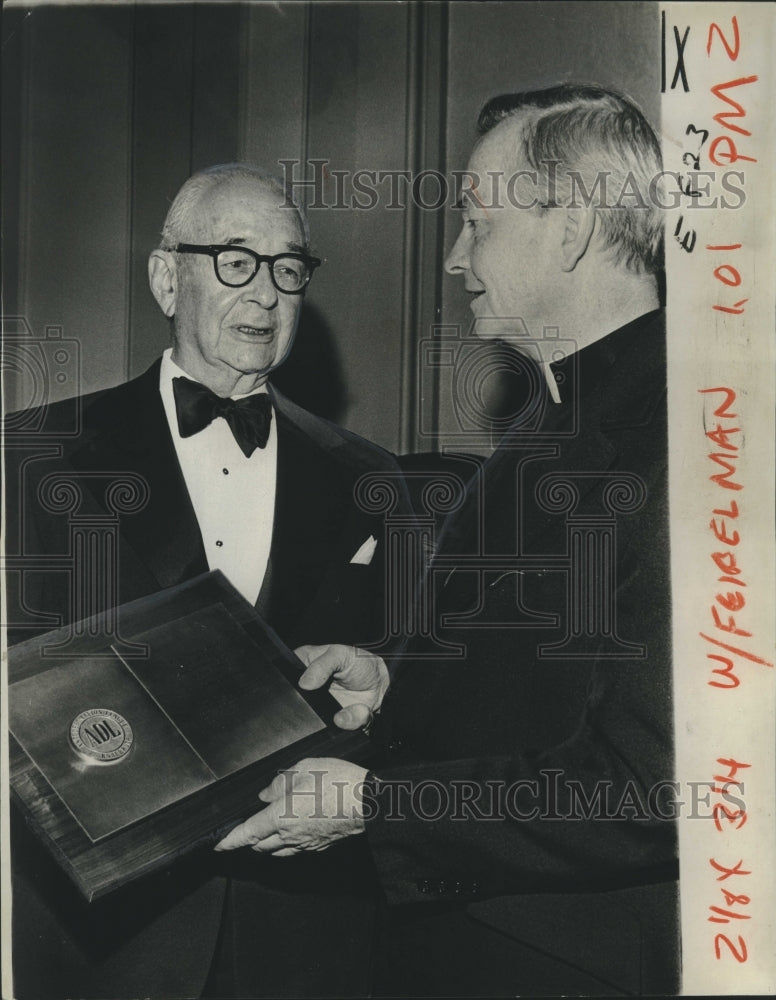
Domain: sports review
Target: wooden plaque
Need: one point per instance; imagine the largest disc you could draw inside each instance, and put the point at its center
(138, 737)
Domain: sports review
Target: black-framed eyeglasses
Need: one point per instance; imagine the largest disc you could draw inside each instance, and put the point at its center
(236, 266)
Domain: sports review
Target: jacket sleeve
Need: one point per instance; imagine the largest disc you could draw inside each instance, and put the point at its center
(592, 811)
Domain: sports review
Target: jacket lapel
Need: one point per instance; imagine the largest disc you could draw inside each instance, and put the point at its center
(300, 548)
(131, 434)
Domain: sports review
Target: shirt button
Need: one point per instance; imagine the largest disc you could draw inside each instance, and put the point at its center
(225, 472)
(219, 543)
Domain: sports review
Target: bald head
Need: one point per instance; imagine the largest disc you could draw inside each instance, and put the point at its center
(183, 225)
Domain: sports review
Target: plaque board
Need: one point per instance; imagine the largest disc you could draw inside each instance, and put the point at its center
(134, 745)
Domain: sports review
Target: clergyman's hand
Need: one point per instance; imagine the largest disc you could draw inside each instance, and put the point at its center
(356, 678)
(311, 805)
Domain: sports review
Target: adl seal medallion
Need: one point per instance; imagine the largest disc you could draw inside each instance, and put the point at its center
(101, 735)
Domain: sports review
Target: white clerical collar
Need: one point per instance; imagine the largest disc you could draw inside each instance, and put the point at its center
(552, 385)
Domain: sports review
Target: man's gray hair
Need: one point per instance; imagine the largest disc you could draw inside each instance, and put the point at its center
(180, 219)
(579, 134)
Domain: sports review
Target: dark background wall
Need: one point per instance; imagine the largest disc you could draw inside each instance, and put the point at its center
(108, 108)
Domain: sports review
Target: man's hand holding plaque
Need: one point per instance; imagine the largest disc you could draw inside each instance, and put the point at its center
(358, 679)
(311, 806)
(319, 801)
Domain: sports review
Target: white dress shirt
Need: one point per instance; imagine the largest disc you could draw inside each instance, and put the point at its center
(233, 496)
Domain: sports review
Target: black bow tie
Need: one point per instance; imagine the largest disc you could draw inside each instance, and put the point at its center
(197, 406)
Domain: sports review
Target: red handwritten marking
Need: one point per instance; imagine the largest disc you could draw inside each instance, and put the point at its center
(730, 626)
(726, 672)
(730, 276)
(720, 809)
(730, 153)
(723, 478)
(732, 511)
(730, 815)
(726, 561)
(739, 956)
(727, 872)
(731, 898)
(723, 149)
(730, 395)
(720, 436)
(738, 109)
(733, 765)
(725, 916)
(720, 915)
(736, 308)
(731, 601)
(732, 51)
(719, 529)
(736, 650)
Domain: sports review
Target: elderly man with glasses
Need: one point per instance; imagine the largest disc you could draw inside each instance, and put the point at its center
(242, 480)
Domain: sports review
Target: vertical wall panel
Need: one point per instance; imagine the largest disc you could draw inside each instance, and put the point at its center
(185, 117)
(74, 221)
(339, 344)
(273, 83)
(14, 87)
(161, 148)
(358, 83)
(215, 85)
(424, 242)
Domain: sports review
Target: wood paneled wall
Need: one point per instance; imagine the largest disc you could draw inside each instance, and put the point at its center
(112, 108)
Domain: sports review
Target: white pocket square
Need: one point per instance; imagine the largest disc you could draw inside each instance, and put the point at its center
(364, 555)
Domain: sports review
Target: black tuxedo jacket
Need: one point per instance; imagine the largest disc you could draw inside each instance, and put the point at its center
(503, 895)
(158, 938)
(310, 589)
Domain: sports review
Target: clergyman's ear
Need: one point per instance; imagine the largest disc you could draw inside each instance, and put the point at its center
(577, 233)
(163, 279)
